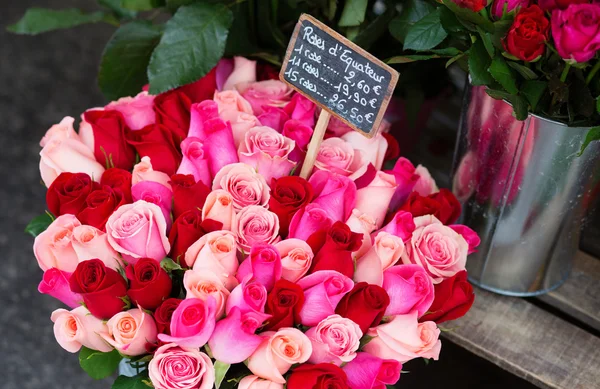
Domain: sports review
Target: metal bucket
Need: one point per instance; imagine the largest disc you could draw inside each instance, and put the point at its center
(523, 190)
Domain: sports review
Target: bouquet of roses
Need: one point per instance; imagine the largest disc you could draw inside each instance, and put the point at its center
(185, 246)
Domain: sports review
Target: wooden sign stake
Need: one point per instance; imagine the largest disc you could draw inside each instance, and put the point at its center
(315, 144)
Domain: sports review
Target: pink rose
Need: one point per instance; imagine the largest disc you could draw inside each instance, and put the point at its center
(215, 252)
(410, 289)
(231, 100)
(255, 382)
(245, 185)
(200, 113)
(402, 225)
(576, 31)
(465, 177)
(385, 252)
(273, 117)
(301, 109)
(296, 258)
(323, 290)
(381, 188)
(219, 146)
(143, 171)
(404, 338)
(511, 5)
(178, 367)
(264, 263)
(338, 156)
(79, 328)
(265, 93)
(406, 178)
(267, 151)
(336, 194)
(299, 133)
(89, 243)
(130, 332)
(138, 230)
(62, 130)
(155, 193)
(337, 127)
(54, 247)
(240, 122)
(194, 161)
(425, 185)
(437, 248)
(192, 323)
(249, 296)
(233, 339)
(219, 207)
(244, 71)
(362, 223)
(309, 220)
(278, 352)
(334, 340)
(138, 111)
(254, 225)
(470, 236)
(56, 284)
(202, 284)
(370, 372)
(373, 149)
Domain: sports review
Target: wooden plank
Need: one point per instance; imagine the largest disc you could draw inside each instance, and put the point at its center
(528, 342)
(579, 296)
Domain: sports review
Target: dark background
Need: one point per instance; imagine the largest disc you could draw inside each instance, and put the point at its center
(43, 79)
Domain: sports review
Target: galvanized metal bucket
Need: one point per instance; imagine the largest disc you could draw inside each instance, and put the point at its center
(523, 188)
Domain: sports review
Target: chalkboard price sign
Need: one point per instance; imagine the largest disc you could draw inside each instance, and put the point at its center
(338, 75)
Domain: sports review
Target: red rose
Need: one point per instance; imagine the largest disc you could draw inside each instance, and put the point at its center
(321, 376)
(156, 142)
(284, 303)
(68, 192)
(453, 298)
(266, 71)
(187, 229)
(203, 89)
(164, 313)
(102, 288)
(365, 305)
(110, 131)
(334, 249)
(393, 149)
(118, 179)
(473, 5)
(172, 110)
(187, 193)
(443, 205)
(288, 195)
(149, 283)
(527, 36)
(99, 205)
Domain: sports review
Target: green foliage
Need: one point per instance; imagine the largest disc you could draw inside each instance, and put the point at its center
(136, 382)
(142, 5)
(426, 33)
(117, 9)
(413, 11)
(479, 62)
(375, 29)
(592, 135)
(97, 364)
(353, 13)
(533, 91)
(39, 20)
(502, 73)
(220, 371)
(39, 224)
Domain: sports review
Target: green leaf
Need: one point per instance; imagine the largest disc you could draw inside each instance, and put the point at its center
(479, 62)
(136, 382)
(447, 51)
(115, 7)
(353, 13)
(98, 365)
(520, 107)
(502, 73)
(533, 90)
(172, 5)
(39, 224)
(598, 104)
(192, 44)
(524, 71)
(487, 41)
(426, 33)
(501, 28)
(498, 94)
(375, 29)
(364, 340)
(125, 59)
(220, 371)
(412, 12)
(410, 58)
(39, 20)
(592, 135)
(142, 5)
(454, 59)
(169, 265)
(449, 20)
(469, 16)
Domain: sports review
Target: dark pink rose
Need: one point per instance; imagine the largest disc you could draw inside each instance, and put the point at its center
(301, 109)
(264, 263)
(309, 220)
(367, 371)
(56, 284)
(576, 31)
(336, 194)
(410, 289)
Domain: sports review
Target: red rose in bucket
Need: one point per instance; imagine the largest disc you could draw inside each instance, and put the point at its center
(528, 34)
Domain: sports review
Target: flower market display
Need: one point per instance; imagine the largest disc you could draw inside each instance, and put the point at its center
(182, 242)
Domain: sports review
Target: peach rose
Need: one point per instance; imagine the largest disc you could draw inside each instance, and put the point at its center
(201, 284)
(373, 149)
(130, 332)
(54, 247)
(334, 340)
(338, 156)
(231, 100)
(425, 184)
(79, 328)
(438, 248)
(240, 122)
(381, 188)
(404, 338)
(89, 243)
(265, 93)
(143, 171)
(386, 251)
(62, 130)
(255, 382)
(244, 71)
(255, 224)
(278, 352)
(267, 151)
(365, 224)
(245, 185)
(219, 207)
(296, 258)
(175, 367)
(215, 252)
(138, 111)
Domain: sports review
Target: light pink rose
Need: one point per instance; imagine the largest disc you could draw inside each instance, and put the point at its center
(309, 220)
(436, 247)
(278, 352)
(373, 149)
(79, 328)
(200, 113)
(62, 130)
(130, 332)
(89, 243)
(334, 340)
(265, 93)
(410, 289)
(385, 252)
(231, 100)
(192, 323)
(255, 224)
(194, 161)
(367, 371)
(244, 71)
(255, 382)
(338, 156)
(402, 225)
(56, 284)
(54, 247)
(155, 193)
(245, 185)
(263, 263)
(381, 188)
(296, 258)
(323, 290)
(138, 111)
(143, 171)
(425, 185)
(404, 338)
(175, 367)
(363, 224)
(267, 151)
(219, 207)
(240, 122)
(215, 252)
(138, 230)
(335, 193)
(201, 284)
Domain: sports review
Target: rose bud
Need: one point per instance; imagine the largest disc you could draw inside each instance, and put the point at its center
(187, 193)
(68, 192)
(284, 303)
(78, 328)
(118, 179)
(365, 305)
(370, 372)
(443, 205)
(321, 376)
(264, 263)
(172, 109)
(453, 298)
(336, 253)
(164, 313)
(149, 283)
(576, 31)
(248, 296)
(130, 332)
(56, 284)
(323, 291)
(526, 38)
(499, 6)
(288, 195)
(99, 205)
(473, 5)
(137, 110)
(336, 194)
(186, 230)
